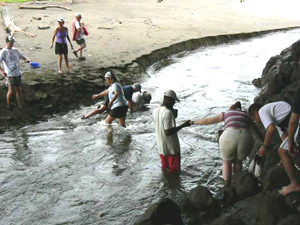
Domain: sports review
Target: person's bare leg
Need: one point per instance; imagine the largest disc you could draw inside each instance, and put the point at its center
(80, 49)
(122, 121)
(227, 171)
(19, 96)
(67, 62)
(237, 166)
(290, 169)
(9, 94)
(108, 122)
(59, 63)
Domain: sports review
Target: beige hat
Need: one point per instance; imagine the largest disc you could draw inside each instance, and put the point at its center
(60, 19)
(78, 15)
(171, 94)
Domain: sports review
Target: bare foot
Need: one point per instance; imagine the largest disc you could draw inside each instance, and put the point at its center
(60, 72)
(289, 189)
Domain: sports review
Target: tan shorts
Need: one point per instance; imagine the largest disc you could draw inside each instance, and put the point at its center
(285, 143)
(235, 144)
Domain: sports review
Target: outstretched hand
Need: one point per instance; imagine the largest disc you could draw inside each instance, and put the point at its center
(187, 123)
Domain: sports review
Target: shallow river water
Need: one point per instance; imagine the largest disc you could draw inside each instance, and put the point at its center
(69, 171)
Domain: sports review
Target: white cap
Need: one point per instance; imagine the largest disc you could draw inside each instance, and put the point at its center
(108, 75)
(171, 94)
(78, 14)
(60, 19)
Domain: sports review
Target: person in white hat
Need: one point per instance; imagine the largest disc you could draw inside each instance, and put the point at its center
(118, 105)
(10, 57)
(79, 30)
(166, 132)
(61, 47)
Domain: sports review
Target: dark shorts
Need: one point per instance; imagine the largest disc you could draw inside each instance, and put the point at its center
(61, 48)
(14, 81)
(80, 41)
(170, 162)
(119, 112)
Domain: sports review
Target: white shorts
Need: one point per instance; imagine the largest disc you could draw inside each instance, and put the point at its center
(235, 144)
(285, 143)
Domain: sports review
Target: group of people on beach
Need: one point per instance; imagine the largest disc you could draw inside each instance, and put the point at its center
(236, 141)
(10, 56)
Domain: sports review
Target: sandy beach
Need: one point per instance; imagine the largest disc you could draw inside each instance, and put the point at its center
(121, 31)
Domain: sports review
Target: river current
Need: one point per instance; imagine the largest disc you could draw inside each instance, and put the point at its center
(69, 171)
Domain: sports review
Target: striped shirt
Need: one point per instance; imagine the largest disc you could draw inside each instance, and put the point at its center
(236, 118)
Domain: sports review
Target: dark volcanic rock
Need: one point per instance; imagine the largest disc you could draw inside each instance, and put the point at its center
(275, 178)
(280, 76)
(201, 198)
(163, 212)
(227, 220)
(245, 185)
(290, 220)
(262, 209)
(293, 201)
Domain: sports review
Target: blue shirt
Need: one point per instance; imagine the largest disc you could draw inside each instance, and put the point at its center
(128, 92)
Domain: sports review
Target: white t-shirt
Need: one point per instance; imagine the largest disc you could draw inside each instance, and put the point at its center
(77, 25)
(274, 112)
(10, 59)
(120, 101)
(138, 100)
(164, 120)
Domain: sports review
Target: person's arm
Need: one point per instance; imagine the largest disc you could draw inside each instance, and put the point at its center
(293, 125)
(267, 141)
(113, 99)
(53, 38)
(206, 121)
(174, 130)
(130, 106)
(2, 72)
(101, 94)
(69, 39)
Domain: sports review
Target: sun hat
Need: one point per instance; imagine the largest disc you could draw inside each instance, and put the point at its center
(137, 86)
(10, 39)
(171, 94)
(108, 75)
(78, 15)
(147, 97)
(60, 19)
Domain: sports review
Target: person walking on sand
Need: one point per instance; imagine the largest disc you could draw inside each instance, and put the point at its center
(10, 57)
(236, 141)
(79, 30)
(61, 47)
(128, 92)
(166, 132)
(118, 105)
(287, 149)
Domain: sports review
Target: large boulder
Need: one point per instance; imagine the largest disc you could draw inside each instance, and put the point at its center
(280, 76)
(290, 220)
(264, 208)
(163, 212)
(245, 185)
(201, 198)
(227, 220)
(275, 178)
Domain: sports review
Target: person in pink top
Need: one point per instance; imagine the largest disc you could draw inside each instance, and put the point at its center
(79, 31)
(236, 141)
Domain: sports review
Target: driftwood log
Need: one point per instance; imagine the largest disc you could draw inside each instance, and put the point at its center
(10, 24)
(25, 6)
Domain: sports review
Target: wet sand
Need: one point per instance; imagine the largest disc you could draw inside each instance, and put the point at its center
(121, 30)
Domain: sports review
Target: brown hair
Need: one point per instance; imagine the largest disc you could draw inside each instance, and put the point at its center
(236, 106)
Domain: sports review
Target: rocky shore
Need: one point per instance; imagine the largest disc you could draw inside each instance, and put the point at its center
(250, 201)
